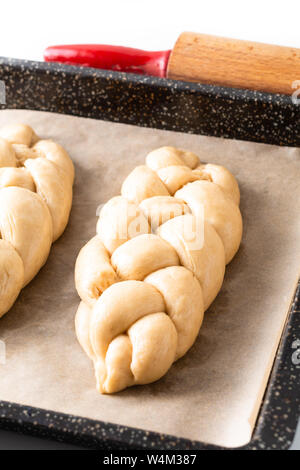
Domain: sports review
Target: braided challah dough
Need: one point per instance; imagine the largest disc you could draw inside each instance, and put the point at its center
(143, 282)
(36, 179)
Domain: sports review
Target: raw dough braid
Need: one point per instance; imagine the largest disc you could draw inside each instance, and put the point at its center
(143, 282)
(36, 179)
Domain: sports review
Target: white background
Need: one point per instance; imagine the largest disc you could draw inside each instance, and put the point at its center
(27, 27)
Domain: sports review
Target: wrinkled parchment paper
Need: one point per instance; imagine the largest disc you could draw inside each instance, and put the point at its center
(213, 394)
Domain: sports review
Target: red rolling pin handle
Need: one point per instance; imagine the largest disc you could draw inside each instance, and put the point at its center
(197, 58)
(117, 58)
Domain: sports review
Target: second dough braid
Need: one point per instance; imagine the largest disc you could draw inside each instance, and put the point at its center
(36, 179)
(146, 278)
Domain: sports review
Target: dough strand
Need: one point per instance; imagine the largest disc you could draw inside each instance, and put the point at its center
(36, 179)
(156, 264)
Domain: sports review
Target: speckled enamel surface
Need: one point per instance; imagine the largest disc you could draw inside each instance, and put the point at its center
(186, 107)
(151, 102)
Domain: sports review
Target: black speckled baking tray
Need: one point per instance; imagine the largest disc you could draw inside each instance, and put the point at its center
(179, 106)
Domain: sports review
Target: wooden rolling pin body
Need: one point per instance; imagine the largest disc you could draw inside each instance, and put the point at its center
(234, 63)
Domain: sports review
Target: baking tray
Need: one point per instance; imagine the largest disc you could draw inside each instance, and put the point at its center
(179, 106)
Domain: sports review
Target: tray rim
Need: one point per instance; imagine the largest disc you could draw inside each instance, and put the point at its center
(209, 110)
(269, 433)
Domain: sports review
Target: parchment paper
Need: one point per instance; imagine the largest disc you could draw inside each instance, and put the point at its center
(213, 394)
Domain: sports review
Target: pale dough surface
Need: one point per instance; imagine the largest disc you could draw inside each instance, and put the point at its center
(213, 393)
(175, 246)
(36, 179)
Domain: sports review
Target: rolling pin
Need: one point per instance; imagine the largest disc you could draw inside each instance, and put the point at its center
(198, 58)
